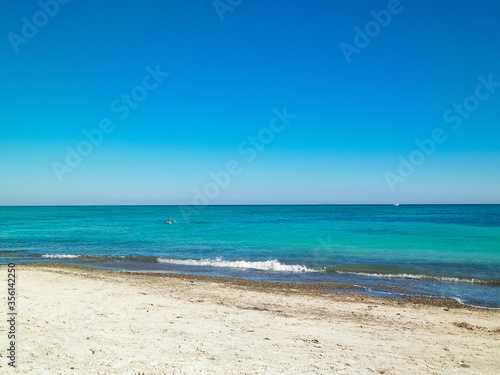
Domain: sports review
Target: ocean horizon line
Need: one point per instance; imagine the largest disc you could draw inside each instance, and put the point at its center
(256, 204)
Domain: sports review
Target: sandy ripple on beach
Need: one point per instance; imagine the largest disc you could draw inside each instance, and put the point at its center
(84, 321)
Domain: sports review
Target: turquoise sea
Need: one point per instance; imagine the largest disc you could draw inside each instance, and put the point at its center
(431, 250)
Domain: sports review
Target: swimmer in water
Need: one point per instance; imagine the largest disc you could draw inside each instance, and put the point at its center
(168, 221)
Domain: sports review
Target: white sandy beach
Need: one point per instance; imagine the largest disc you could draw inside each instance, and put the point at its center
(83, 321)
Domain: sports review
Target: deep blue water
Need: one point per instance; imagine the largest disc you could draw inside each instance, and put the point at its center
(434, 250)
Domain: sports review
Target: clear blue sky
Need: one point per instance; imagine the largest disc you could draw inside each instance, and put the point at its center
(355, 120)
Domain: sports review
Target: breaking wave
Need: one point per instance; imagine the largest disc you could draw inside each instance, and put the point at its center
(445, 279)
(60, 256)
(268, 265)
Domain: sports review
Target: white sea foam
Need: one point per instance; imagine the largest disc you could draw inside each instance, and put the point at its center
(269, 265)
(60, 256)
(476, 306)
(412, 276)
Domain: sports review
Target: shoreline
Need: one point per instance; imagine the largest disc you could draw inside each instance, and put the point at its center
(81, 320)
(318, 289)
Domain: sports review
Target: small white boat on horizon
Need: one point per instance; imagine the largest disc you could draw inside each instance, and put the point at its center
(396, 204)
